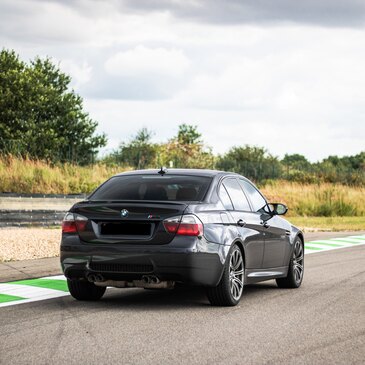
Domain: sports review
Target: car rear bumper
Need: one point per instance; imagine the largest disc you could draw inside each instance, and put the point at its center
(198, 263)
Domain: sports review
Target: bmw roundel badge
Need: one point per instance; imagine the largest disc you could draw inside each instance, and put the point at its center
(124, 213)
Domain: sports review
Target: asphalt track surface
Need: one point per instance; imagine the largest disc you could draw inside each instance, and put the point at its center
(323, 322)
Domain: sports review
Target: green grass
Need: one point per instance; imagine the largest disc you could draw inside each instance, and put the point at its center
(329, 223)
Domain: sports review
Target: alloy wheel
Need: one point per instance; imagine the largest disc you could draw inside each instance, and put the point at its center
(236, 273)
(298, 260)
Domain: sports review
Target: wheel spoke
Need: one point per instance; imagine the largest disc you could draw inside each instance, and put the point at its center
(299, 258)
(297, 273)
(238, 263)
(238, 282)
(237, 288)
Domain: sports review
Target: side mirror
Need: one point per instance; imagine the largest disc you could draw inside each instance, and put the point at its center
(278, 208)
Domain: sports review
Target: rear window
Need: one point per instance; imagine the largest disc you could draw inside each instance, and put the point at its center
(151, 187)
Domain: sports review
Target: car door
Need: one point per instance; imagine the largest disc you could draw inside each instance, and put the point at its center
(275, 237)
(247, 223)
(277, 243)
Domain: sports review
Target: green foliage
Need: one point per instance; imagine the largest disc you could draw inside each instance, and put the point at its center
(188, 135)
(185, 150)
(139, 153)
(39, 116)
(296, 161)
(253, 162)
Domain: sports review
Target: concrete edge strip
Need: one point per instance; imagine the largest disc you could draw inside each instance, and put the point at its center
(32, 290)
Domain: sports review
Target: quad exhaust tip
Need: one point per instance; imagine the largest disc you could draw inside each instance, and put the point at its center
(150, 279)
(95, 278)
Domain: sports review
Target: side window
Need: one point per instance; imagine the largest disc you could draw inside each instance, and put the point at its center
(225, 198)
(257, 200)
(234, 190)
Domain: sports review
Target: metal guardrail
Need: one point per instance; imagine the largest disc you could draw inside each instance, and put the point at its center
(19, 210)
(20, 218)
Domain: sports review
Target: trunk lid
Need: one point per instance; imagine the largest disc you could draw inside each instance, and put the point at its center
(129, 222)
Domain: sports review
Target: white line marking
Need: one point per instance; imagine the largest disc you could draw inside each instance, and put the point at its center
(347, 239)
(31, 293)
(57, 277)
(308, 251)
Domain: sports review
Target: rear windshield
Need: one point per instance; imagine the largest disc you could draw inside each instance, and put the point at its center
(150, 187)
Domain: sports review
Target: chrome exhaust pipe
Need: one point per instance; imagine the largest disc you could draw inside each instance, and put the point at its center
(150, 279)
(99, 278)
(91, 278)
(146, 279)
(154, 280)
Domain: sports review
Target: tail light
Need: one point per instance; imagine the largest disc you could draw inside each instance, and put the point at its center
(73, 223)
(186, 225)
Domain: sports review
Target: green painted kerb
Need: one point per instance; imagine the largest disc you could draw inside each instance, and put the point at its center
(4, 298)
(54, 284)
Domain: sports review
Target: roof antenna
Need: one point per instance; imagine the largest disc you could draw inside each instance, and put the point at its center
(162, 171)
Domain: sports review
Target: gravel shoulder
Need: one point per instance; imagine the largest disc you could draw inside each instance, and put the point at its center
(28, 243)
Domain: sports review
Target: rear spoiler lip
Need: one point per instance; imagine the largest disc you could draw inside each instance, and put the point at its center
(135, 202)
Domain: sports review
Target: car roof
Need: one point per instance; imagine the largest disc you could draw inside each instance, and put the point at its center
(189, 172)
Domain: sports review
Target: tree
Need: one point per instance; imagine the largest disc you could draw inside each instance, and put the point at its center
(296, 161)
(186, 150)
(40, 116)
(139, 153)
(188, 134)
(253, 162)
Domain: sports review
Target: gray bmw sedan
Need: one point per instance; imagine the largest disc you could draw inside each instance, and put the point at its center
(157, 228)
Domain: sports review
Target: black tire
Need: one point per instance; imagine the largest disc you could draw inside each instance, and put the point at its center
(296, 267)
(228, 292)
(83, 290)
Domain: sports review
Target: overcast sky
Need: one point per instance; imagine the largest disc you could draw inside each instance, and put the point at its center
(283, 74)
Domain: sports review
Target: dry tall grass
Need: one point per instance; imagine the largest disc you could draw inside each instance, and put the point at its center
(29, 176)
(318, 199)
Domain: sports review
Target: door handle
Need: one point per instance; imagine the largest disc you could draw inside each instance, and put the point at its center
(265, 224)
(241, 223)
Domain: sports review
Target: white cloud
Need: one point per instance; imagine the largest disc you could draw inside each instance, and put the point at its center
(80, 73)
(289, 87)
(143, 61)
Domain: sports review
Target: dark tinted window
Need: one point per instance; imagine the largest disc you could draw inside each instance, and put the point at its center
(152, 187)
(238, 198)
(225, 198)
(257, 200)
